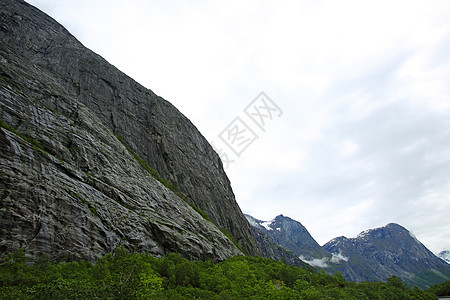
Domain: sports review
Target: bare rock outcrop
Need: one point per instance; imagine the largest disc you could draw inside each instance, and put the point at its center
(69, 187)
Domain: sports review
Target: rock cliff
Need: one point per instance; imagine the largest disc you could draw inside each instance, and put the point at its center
(84, 149)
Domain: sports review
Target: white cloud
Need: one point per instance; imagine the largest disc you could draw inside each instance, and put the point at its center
(337, 258)
(324, 261)
(348, 149)
(316, 262)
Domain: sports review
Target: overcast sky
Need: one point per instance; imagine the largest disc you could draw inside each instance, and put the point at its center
(356, 103)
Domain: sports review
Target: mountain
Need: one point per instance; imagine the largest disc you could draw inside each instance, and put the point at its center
(270, 248)
(445, 255)
(91, 160)
(390, 250)
(374, 255)
(291, 235)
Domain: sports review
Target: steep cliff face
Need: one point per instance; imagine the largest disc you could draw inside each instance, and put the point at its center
(69, 187)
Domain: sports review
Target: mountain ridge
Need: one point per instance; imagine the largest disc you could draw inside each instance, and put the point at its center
(374, 254)
(291, 235)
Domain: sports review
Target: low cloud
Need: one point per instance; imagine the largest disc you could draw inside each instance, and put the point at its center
(324, 261)
(337, 258)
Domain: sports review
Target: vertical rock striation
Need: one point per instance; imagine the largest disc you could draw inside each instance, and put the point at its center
(69, 186)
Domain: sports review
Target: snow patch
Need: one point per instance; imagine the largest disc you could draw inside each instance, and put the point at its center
(333, 243)
(252, 221)
(445, 255)
(267, 224)
(364, 233)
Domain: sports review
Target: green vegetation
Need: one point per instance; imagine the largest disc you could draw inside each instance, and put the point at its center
(442, 289)
(32, 141)
(125, 275)
(91, 207)
(423, 279)
(6, 78)
(51, 109)
(200, 211)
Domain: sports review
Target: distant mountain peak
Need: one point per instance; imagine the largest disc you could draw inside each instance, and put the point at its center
(387, 250)
(395, 226)
(389, 229)
(291, 235)
(445, 256)
(336, 241)
(374, 254)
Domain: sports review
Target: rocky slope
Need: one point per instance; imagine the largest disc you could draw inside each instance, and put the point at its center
(390, 250)
(270, 248)
(69, 187)
(291, 235)
(373, 255)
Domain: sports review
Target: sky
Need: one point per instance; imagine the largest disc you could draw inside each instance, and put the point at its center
(334, 113)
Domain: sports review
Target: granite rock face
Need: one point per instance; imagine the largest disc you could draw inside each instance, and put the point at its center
(69, 187)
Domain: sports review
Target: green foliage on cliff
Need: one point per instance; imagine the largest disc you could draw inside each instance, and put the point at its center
(155, 174)
(32, 141)
(125, 275)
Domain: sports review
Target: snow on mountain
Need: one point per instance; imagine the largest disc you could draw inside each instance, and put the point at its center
(267, 224)
(445, 256)
(258, 223)
(253, 222)
(364, 233)
(373, 255)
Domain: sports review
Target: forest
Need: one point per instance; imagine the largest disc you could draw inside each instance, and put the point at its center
(126, 275)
